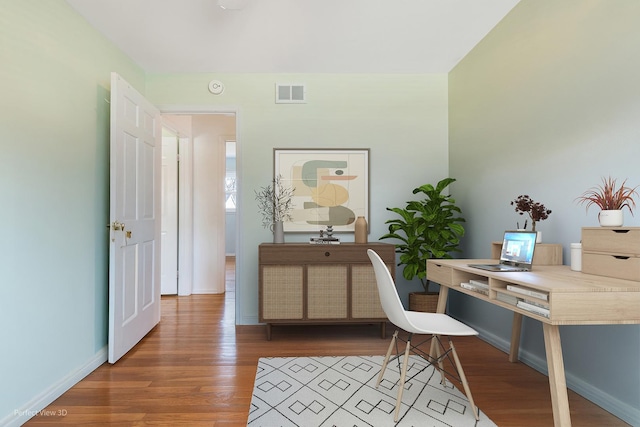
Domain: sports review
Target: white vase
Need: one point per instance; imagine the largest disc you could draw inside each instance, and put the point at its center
(538, 236)
(612, 218)
(278, 232)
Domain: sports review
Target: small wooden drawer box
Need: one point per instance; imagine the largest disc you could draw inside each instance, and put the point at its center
(611, 252)
(617, 240)
(618, 266)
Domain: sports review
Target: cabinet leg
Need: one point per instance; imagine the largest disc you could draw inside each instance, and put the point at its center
(383, 330)
(268, 331)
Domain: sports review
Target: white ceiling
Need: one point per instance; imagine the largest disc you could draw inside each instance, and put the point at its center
(295, 36)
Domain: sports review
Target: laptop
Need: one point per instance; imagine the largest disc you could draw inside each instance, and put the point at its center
(516, 254)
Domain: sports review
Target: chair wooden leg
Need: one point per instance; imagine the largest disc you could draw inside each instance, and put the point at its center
(437, 346)
(403, 376)
(463, 378)
(385, 362)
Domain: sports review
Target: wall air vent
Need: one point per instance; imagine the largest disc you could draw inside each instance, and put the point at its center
(291, 93)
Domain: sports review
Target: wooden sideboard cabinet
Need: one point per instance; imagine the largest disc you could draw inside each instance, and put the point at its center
(306, 283)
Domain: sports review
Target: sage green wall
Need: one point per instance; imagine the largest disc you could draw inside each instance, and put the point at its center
(402, 119)
(545, 105)
(54, 169)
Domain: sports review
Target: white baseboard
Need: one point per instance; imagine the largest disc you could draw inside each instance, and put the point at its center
(207, 292)
(35, 406)
(625, 412)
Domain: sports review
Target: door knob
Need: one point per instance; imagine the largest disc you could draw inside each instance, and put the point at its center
(116, 225)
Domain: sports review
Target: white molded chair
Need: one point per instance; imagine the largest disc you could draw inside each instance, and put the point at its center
(417, 323)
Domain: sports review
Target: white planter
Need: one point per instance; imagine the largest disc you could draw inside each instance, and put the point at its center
(278, 232)
(611, 218)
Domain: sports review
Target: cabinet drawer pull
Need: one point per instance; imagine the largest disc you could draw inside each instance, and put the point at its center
(621, 257)
(620, 231)
(327, 253)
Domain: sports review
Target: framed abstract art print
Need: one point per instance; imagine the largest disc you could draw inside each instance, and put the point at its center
(331, 187)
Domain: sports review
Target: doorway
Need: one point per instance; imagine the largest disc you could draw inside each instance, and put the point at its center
(206, 228)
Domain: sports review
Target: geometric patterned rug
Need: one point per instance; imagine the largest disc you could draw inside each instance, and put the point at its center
(340, 391)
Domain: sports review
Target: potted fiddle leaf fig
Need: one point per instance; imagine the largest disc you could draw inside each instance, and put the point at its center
(428, 228)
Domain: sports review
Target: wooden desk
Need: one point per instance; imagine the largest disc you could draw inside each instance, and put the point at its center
(573, 298)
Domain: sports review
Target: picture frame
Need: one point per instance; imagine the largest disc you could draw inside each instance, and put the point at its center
(331, 187)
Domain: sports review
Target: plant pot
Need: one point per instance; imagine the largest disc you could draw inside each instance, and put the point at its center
(426, 302)
(613, 218)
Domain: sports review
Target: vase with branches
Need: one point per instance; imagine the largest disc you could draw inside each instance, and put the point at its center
(275, 203)
(535, 210)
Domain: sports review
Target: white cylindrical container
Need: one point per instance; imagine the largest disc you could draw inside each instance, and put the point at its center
(576, 256)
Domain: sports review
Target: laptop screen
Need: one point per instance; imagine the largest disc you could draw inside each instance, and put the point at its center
(517, 247)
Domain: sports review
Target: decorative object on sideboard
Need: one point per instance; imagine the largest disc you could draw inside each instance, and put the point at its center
(427, 228)
(611, 199)
(326, 237)
(361, 230)
(536, 211)
(278, 232)
(275, 205)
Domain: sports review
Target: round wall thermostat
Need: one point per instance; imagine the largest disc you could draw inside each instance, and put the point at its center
(216, 87)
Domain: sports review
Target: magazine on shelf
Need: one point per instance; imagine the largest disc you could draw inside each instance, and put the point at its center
(533, 308)
(475, 288)
(529, 292)
(506, 298)
(484, 284)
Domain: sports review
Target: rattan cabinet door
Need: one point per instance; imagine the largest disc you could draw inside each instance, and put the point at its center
(282, 292)
(327, 287)
(365, 300)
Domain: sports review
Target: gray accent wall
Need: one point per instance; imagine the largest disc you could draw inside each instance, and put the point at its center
(545, 105)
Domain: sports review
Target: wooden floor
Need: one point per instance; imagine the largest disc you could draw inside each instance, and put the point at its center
(196, 368)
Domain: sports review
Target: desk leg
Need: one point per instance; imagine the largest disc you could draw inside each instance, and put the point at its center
(516, 329)
(442, 299)
(557, 380)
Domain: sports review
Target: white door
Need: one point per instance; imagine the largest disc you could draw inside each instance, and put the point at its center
(134, 253)
(169, 213)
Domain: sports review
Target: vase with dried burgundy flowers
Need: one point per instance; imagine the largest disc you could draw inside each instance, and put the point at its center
(535, 210)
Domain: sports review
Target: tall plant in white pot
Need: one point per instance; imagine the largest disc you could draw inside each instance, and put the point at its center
(611, 199)
(275, 204)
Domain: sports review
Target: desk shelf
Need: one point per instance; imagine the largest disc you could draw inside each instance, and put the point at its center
(544, 253)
